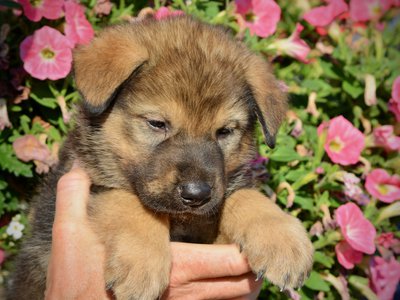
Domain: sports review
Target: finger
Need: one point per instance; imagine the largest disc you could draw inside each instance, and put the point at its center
(194, 261)
(72, 196)
(239, 287)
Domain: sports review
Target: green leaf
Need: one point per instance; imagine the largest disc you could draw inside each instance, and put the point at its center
(9, 4)
(295, 174)
(310, 176)
(316, 283)
(353, 90)
(305, 203)
(322, 258)
(10, 163)
(284, 154)
(361, 284)
(47, 102)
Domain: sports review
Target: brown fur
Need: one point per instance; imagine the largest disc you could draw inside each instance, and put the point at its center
(206, 90)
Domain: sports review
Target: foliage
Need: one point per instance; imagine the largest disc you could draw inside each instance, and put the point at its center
(345, 67)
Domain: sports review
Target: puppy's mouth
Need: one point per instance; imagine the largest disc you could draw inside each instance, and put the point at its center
(196, 198)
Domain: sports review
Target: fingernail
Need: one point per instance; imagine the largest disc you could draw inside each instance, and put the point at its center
(75, 164)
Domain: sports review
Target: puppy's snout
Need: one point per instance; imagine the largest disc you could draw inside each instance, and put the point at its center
(195, 193)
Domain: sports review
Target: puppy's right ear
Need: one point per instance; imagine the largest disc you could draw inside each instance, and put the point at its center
(101, 67)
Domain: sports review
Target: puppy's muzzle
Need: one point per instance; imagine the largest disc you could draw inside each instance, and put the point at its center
(195, 193)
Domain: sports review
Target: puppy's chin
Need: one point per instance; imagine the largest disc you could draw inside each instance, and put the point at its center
(172, 206)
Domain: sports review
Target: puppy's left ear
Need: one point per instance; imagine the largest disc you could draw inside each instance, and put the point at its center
(269, 101)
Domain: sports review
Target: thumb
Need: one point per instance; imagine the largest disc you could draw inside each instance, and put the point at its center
(73, 190)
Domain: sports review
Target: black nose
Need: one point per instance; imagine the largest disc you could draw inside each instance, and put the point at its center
(195, 193)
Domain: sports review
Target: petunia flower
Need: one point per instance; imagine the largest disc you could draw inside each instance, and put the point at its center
(103, 7)
(77, 28)
(385, 275)
(356, 229)
(165, 12)
(15, 229)
(46, 54)
(293, 46)
(28, 148)
(365, 10)
(352, 190)
(383, 186)
(384, 137)
(4, 120)
(347, 256)
(35, 10)
(387, 239)
(394, 102)
(344, 142)
(324, 15)
(370, 90)
(260, 16)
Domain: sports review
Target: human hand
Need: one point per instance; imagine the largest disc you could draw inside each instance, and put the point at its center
(210, 272)
(76, 267)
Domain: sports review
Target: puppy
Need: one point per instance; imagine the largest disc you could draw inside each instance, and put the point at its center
(166, 133)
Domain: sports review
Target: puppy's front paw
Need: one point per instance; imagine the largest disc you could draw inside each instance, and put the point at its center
(138, 272)
(279, 250)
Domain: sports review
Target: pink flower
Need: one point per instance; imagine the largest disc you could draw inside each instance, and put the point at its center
(260, 16)
(386, 239)
(394, 102)
(28, 148)
(356, 229)
(324, 15)
(165, 12)
(352, 190)
(383, 186)
(103, 7)
(77, 28)
(385, 276)
(344, 142)
(4, 120)
(2, 256)
(293, 46)
(46, 54)
(347, 256)
(364, 10)
(384, 137)
(35, 10)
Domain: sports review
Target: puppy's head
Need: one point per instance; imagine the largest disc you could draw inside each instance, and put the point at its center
(169, 109)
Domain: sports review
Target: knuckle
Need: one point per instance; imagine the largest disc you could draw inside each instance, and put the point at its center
(74, 178)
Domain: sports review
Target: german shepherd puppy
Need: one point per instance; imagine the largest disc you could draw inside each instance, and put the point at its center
(166, 133)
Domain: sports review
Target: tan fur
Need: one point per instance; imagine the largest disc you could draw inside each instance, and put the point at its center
(137, 245)
(274, 242)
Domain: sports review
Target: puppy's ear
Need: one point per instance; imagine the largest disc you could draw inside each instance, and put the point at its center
(101, 67)
(269, 101)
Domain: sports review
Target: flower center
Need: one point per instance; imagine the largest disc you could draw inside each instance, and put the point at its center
(35, 3)
(383, 189)
(336, 145)
(47, 53)
(250, 17)
(376, 10)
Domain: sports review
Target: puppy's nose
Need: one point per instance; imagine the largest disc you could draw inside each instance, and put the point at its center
(195, 193)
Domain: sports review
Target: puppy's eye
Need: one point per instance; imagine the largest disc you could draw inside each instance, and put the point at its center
(224, 132)
(157, 125)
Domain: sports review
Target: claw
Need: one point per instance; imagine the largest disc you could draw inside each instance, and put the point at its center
(300, 282)
(286, 281)
(260, 275)
(240, 248)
